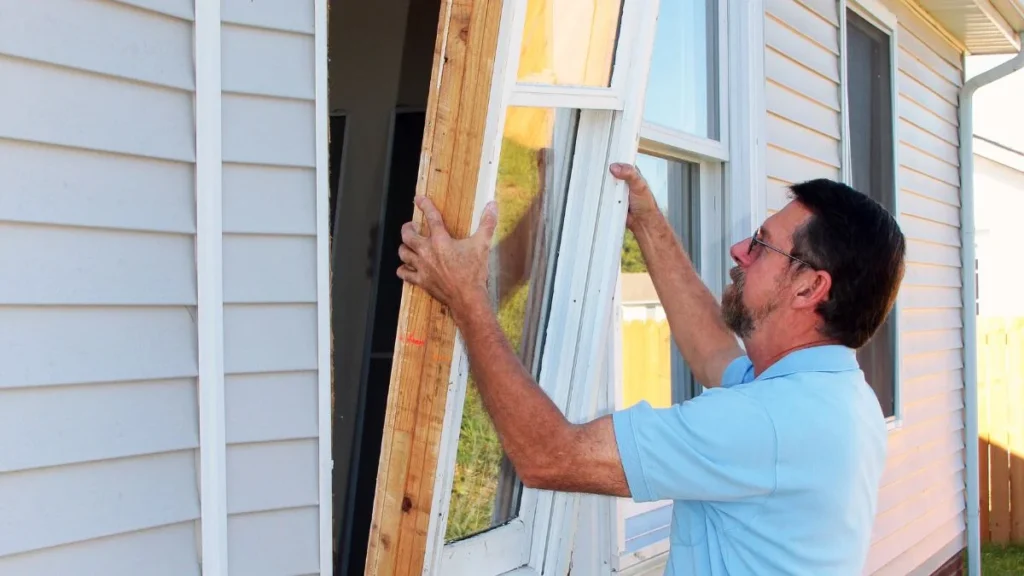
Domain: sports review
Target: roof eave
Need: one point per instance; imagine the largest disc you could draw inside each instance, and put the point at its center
(979, 26)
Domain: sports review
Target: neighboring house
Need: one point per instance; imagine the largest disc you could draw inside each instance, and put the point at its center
(196, 344)
(999, 195)
(998, 188)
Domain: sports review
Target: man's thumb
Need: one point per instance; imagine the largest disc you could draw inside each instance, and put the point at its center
(488, 221)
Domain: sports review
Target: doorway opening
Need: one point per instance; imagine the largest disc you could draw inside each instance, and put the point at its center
(379, 64)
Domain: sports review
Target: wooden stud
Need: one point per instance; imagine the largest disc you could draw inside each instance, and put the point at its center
(452, 144)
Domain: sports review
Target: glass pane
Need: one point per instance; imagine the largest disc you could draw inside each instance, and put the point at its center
(682, 88)
(533, 176)
(569, 42)
(652, 368)
(869, 94)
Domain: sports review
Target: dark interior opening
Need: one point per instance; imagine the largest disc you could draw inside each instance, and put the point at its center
(380, 57)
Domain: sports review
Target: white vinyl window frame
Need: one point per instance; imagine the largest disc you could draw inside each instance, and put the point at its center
(539, 539)
(886, 22)
(710, 246)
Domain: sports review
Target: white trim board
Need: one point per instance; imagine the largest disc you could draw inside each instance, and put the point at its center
(325, 464)
(210, 291)
(1000, 154)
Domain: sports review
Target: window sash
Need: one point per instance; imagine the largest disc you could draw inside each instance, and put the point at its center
(593, 203)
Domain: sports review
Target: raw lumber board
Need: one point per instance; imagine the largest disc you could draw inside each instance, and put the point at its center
(452, 143)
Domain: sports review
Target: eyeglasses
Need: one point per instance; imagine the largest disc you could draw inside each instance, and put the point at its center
(755, 240)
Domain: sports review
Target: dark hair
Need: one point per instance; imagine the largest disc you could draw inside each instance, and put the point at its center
(858, 242)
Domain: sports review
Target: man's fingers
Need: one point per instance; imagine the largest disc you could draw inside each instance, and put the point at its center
(411, 235)
(432, 216)
(630, 175)
(488, 222)
(407, 256)
(408, 274)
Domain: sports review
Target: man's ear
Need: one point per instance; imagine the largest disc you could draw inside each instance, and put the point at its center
(811, 289)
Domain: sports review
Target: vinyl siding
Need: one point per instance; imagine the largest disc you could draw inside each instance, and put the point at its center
(270, 296)
(921, 500)
(98, 350)
(801, 94)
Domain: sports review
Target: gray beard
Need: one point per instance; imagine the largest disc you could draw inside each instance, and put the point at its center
(740, 319)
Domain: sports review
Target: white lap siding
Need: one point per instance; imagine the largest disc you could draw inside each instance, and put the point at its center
(921, 503)
(270, 281)
(98, 353)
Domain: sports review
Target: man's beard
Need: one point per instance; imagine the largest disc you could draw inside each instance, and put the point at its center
(736, 315)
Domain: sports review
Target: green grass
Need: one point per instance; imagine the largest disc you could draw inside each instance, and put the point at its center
(999, 560)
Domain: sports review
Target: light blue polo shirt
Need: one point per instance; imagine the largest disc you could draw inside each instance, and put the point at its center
(773, 475)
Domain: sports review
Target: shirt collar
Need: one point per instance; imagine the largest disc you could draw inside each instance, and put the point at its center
(829, 358)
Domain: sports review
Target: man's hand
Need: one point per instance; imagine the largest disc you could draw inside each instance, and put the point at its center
(448, 269)
(693, 313)
(642, 204)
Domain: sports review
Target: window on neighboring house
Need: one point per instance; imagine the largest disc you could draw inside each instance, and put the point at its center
(871, 163)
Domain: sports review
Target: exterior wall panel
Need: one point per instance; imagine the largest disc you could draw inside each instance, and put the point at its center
(98, 347)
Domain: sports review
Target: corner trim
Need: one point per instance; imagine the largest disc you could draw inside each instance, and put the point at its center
(210, 290)
(323, 293)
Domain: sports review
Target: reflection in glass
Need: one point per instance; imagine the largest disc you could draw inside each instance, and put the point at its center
(569, 42)
(533, 174)
(682, 88)
(652, 368)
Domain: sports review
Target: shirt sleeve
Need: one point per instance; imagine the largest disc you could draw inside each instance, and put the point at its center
(720, 446)
(739, 371)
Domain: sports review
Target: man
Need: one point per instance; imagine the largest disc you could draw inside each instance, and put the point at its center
(774, 469)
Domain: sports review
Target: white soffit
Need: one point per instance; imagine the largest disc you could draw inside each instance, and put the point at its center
(983, 26)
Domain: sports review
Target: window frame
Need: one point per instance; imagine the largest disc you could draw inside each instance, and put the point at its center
(538, 538)
(886, 22)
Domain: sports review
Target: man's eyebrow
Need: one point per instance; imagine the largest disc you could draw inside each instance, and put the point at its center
(766, 235)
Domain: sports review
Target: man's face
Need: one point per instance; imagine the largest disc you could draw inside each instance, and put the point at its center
(761, 276)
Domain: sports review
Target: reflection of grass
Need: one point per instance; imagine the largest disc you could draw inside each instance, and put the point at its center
(478, 460)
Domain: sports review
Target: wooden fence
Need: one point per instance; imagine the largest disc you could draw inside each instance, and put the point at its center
(647, 362)
(1001, 428)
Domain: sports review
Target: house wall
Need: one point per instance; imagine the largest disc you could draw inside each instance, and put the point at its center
(921, 502)
(98, 351)
(270, 295)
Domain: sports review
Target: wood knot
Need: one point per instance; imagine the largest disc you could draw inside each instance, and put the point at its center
(406, 504)
(464, 34)
(385, 541)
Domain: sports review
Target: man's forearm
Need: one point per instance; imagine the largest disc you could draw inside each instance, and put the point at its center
(532, 429)
(694, 315)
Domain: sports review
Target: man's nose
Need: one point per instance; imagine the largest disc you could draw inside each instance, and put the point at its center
(740, 253)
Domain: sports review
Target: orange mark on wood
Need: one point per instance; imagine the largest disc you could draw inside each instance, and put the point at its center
(412, 340)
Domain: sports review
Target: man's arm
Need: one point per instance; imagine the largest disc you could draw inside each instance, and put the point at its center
(547, 451)
(694, 315)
